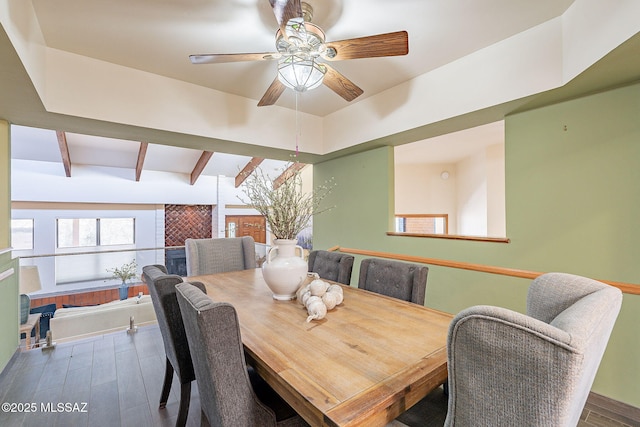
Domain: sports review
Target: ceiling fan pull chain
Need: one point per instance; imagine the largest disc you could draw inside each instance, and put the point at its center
(297, 122)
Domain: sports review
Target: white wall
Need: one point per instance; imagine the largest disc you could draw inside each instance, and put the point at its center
(229, 203)
(419, 189)
(44, 215)
(473, 196)
(46, 182)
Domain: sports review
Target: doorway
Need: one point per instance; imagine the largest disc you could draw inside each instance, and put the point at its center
(246, 225)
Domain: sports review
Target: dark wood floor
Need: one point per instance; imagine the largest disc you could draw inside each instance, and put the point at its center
(118, 376)
(115, 380)
(598, 412)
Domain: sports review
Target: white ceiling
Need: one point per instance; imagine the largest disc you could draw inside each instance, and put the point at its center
(452, 147)
(157, 36)
(29, 143)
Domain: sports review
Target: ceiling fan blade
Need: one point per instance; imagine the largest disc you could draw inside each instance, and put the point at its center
(285, 10)
(272, 94)
(214, 58)
(388, 44)
(341, 85)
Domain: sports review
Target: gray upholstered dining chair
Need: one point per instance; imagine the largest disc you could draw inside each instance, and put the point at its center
(209, 256)
(331, 265)
(162, 288)
(512, 369)
(396, 279)
(227, 395)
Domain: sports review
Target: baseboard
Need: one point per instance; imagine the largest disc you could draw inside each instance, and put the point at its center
(613, 409)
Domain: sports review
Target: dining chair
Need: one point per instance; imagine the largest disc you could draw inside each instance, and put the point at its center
(178, 358)
(396, 279)
(534, 369)
(209, 256)
(331, 265)
(227, 395)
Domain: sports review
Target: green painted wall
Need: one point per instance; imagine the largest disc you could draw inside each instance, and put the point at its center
(5, 185)
(9, 286)
(572, 201)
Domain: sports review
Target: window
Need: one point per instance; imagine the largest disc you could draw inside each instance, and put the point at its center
(87, 232)
(22, 234)
(422, 224)
(77, 232)
(116, 231)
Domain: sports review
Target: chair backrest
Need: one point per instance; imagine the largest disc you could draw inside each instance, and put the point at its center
(162, 288)
(208, 256)
(331, 266)
(508, 368)
(213, 332)
(396, 279)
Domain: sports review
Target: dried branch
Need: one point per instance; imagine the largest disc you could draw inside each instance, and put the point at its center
(287, 209)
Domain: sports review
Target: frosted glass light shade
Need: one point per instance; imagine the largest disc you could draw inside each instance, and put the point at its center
(299, 73)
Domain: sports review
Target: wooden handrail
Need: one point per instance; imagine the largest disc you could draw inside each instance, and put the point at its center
(628, 288)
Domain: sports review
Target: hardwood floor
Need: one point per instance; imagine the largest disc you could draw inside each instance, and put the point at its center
(598, 412)
(115, 380)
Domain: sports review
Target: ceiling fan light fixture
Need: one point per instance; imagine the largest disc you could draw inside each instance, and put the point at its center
(300, 44)
(300, 73)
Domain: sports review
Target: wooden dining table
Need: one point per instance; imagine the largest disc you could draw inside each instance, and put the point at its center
(370, 359)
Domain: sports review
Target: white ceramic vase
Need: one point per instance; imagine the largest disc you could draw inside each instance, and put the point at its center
(285, 272)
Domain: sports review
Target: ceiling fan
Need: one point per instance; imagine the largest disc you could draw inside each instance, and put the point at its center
(302, 53)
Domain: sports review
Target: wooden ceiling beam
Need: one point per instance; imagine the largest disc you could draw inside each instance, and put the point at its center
(288, 173)
(141, 155)
(202, 162)
(64, 152)
(248, 170)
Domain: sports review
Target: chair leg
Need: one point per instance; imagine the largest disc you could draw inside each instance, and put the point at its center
(166, 387)
(185, 398)
(204, 422)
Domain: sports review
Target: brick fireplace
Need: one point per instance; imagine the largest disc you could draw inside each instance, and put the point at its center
(182, 222)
